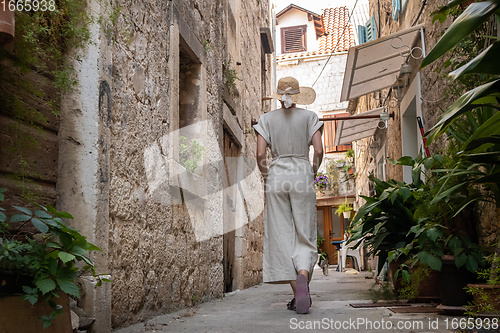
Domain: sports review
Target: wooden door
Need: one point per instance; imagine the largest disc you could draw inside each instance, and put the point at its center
(229, 192)
(331, 228)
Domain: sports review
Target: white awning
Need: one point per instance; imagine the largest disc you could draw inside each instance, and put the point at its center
(356, 129)
(375, 65)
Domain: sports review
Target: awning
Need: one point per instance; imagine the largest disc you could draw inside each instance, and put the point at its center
(375, 65)
(356, 129)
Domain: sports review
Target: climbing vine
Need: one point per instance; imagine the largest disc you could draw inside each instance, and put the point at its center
(35, 70)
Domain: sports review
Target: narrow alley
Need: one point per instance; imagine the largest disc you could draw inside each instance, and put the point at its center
(165, 164)
(262, 308)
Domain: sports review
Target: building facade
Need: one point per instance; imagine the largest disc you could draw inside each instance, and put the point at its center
(156, 154)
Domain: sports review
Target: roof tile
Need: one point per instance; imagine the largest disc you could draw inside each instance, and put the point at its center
(335, 38)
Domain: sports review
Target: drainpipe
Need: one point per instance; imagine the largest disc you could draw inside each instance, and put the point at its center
(7, 25)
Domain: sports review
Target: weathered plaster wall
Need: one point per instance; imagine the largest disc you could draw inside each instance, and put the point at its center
(83, 168)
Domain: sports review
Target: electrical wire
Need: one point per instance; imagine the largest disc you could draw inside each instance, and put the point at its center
(420, 12)
(338, 40)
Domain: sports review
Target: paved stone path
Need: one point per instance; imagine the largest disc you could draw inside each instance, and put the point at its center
(263, 309)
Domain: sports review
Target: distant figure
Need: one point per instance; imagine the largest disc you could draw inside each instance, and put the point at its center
(290, 249)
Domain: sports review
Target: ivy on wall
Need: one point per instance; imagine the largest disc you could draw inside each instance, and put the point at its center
(35, 70)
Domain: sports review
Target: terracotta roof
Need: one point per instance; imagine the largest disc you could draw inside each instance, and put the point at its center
(335, 38)
(292, 6)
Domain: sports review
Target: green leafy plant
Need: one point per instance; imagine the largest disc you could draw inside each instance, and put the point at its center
(480, 153)
(207, 46)
(332, 173)
(386, 219)
(190, 153)
(382, 291)
(230, 75)
(323, 255)
(486, 297)
(48, 261)
(344, 207)
(411, 279)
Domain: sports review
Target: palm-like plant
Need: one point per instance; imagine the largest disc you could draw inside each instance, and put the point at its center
(479, 158)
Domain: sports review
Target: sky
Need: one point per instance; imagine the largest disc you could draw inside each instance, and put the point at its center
(316, 6)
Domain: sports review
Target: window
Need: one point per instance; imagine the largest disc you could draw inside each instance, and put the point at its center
(329, 135)
(381, 164)
(368, 31)
(411, 140)
(293, 39)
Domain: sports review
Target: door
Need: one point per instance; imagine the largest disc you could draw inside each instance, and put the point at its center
(229, 192)
(331, 228)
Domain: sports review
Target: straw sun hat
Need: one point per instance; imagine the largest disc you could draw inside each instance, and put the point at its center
(289, 92)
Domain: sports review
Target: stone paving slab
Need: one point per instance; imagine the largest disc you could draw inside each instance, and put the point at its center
(263, 309)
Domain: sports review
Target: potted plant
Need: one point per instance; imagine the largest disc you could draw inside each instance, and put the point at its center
(321, 182)
(477, 108)
(349, 154)
(41, 266)
(487, 294)
(344, 209)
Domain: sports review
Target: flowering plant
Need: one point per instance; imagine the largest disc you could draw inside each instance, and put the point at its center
(321, 182)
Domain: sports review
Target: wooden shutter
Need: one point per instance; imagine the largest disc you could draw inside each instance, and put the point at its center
(329, 135)
(371, 29)
(396, 9)
(293, 39)
(361, 34)
(329, 132)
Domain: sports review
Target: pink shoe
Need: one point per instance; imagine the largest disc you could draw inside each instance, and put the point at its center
(302, 298)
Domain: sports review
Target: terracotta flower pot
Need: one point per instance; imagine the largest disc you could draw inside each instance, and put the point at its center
(20, 316)
(452, 282)
(7, 25)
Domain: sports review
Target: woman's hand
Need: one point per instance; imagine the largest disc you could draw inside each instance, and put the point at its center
(318, 151)
(261, 156)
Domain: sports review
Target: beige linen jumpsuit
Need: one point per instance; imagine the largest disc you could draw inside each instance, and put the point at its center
(290, 210)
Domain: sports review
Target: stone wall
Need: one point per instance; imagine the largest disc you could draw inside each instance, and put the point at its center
(160, 74)
(159, 262)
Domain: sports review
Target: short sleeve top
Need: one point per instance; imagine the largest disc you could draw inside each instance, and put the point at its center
(289, 131)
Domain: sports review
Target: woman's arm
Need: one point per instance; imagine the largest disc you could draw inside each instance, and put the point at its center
(261, 156)
(318, 151)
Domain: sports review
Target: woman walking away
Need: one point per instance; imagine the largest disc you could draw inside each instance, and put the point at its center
(290, 198)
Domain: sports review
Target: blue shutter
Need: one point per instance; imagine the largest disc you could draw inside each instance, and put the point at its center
(403, 5)
(371, 29)
(362, 34)
(396, 8)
